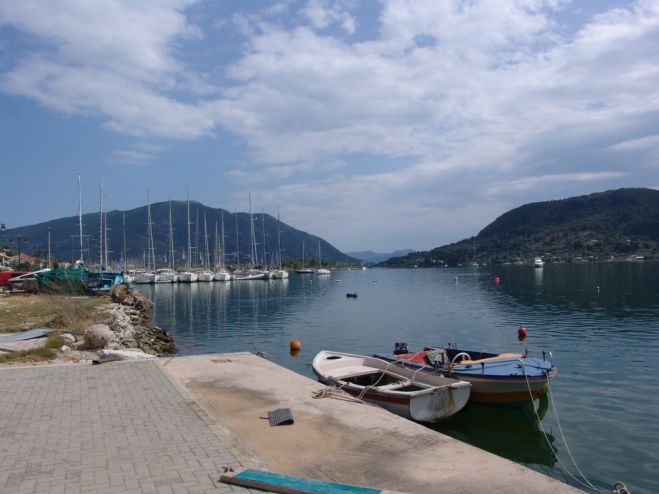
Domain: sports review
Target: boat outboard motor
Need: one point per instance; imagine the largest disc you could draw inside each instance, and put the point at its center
(400, 348)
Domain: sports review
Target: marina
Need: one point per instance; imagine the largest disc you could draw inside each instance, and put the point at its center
(559, 305)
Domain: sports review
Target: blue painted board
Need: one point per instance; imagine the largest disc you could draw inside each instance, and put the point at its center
(302, 484)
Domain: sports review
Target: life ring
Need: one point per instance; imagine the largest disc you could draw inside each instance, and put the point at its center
(464, 355)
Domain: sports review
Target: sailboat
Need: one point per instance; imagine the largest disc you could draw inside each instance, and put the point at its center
(168, 275)
(221, 274)
(78, 279)
(279, 273)
(321, 270)
(188, 276)
(304, 269)
(252, 273)
(148, 276)
(206, 274)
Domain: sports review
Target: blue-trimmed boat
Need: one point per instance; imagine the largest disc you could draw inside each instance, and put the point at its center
(504, 379)
(78, 280)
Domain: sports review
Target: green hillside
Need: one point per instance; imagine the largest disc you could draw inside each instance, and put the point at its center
(616, 224)
(65, 239)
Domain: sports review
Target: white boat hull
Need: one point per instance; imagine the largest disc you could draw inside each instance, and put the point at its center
(222, 276)
(187, 277)
(413, 395)
(145, 279)
(205, 276)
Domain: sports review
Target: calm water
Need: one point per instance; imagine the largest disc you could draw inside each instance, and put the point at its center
(600, 321)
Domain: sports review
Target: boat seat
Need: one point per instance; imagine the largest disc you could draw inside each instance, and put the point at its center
(503, 356)
(355, 370)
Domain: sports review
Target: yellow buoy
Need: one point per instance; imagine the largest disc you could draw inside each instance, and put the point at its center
(295, 345)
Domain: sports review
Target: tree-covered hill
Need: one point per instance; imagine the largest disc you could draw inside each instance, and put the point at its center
(65, 237)
(615, 224)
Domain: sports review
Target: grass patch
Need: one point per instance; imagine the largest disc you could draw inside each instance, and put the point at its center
(28, 356)
(25, 311)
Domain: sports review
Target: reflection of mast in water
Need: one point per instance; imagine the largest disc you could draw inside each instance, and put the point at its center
(538, 276)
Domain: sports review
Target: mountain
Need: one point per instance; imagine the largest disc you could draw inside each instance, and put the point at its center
(65, 238)
(371, 257)
(612, 224)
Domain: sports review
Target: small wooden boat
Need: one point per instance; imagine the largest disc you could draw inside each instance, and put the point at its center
(505, 379)
(405, 392)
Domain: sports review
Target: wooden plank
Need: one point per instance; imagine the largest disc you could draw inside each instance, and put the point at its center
(287, 484)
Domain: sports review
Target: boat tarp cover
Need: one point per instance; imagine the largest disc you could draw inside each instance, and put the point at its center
(25, 335)
(63, 280)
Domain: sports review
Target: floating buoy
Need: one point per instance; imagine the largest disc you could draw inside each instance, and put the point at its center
(351, 295)
(295, 345)
(497, 280)
(521, 333)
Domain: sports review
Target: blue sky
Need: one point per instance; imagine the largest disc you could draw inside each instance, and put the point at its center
(375, 125)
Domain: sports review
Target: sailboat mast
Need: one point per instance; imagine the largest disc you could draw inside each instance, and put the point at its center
(171, 238)
(100, 213)
(265, 254)
(252, 233)
(206, 254)
(105, 234)
(216, 250)
(278, 238)
(80, 215)
(196, 238)
(237, 241)
(125, 252)
(189, 260)
(49, 247)
(151, 254)
(222, 244)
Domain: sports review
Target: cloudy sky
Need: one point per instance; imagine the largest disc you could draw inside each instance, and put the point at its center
(375, 125)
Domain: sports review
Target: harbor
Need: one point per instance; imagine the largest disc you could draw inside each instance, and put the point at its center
(176, 424)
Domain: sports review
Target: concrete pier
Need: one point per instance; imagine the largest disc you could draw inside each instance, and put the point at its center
(339, 439)
(173, 425)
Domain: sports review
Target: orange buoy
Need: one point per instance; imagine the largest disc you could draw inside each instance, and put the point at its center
(497, 280)
(295, 345)
(521, 332)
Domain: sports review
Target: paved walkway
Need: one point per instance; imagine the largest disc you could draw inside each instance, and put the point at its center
(116, 427)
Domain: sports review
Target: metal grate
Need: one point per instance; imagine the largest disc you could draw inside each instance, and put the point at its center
(281, 416)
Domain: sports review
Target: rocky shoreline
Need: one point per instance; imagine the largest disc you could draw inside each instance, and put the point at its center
(133, 326)
(128, 333)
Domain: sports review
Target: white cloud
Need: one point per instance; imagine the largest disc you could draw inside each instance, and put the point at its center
(322, 14)
(492, 97)
(649, 142)
(140, 153)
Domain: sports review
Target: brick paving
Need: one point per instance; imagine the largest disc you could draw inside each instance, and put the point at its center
(116, 427)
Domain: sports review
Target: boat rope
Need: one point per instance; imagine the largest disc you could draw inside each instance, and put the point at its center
(337, 393)
(618, 488)
(372, 385)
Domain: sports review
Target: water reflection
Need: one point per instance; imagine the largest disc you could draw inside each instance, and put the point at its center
(512, 433)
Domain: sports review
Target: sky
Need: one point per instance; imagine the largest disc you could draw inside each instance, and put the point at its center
(374, 125)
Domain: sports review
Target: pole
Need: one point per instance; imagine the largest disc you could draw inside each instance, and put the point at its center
(80, 216)
(48, 246)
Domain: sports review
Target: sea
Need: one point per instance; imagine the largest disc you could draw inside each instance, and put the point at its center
(597, 322)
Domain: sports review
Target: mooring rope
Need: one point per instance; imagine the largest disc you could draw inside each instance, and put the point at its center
(618, 488)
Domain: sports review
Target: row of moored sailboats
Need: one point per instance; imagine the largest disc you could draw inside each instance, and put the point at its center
(151, 275)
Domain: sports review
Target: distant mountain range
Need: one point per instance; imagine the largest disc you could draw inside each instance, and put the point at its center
(368, 256)
(65, 238)
(615, 224)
